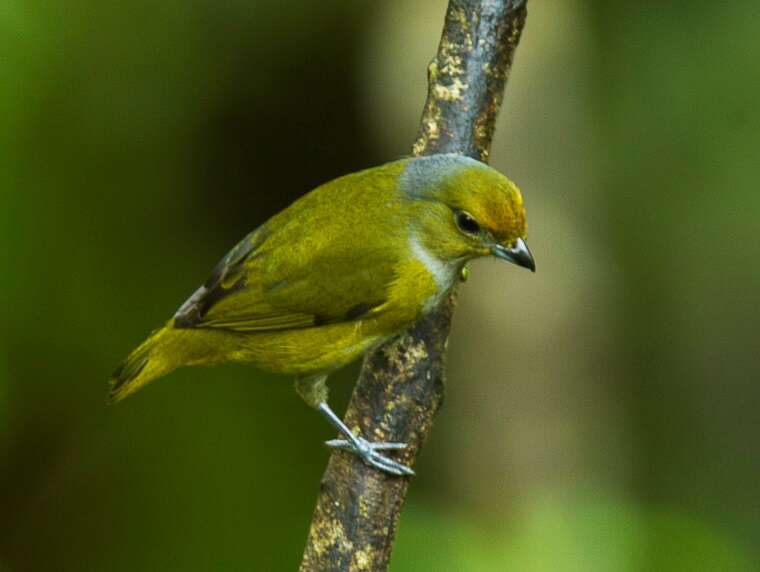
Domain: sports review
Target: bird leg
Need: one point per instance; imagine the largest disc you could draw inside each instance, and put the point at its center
(367, 451)
(314, 392)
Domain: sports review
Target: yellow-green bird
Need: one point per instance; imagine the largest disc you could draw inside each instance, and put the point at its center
(345, 267)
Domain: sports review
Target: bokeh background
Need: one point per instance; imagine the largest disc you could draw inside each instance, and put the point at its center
(602, 414)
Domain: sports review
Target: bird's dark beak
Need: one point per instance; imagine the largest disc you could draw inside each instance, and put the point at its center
(519, 254)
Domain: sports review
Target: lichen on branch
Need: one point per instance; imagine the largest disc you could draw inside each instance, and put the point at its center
(401, 385)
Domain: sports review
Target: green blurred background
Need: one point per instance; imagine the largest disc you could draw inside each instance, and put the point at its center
(601, 415)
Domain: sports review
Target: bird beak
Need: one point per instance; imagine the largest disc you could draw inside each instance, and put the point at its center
(519, 254)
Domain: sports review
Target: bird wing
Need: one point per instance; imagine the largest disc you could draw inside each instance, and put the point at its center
(269, 283)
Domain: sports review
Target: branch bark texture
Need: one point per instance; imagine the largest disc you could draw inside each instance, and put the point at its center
(401, 386)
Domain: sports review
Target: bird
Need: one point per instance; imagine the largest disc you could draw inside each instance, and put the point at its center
(347, 266)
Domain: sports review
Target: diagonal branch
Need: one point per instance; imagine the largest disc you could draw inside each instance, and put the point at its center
(401, 385)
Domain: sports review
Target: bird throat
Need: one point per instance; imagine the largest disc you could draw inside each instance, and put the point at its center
(444, 272)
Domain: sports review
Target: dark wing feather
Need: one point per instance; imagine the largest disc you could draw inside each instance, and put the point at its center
(226, 278)
(250, 292)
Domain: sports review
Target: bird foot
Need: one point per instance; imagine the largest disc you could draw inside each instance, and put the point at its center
(368, 452)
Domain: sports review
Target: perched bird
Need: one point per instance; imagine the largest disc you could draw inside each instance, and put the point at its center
(345, 267)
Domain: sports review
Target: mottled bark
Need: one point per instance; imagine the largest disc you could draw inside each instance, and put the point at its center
(401, 385)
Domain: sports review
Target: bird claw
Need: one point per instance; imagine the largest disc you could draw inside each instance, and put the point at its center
(368, 452)
(348, 446)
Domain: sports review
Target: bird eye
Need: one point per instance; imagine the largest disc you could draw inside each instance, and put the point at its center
(466, 223)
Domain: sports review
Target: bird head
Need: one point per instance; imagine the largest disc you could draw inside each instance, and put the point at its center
(465, 209)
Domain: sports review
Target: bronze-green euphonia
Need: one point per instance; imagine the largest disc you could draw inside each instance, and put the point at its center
(345, 267)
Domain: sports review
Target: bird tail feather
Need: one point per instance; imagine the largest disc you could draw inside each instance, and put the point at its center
(152, 359)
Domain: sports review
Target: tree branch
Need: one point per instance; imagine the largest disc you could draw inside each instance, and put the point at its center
(401, 385)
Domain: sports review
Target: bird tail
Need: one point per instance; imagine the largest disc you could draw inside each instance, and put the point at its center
(154, 358)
